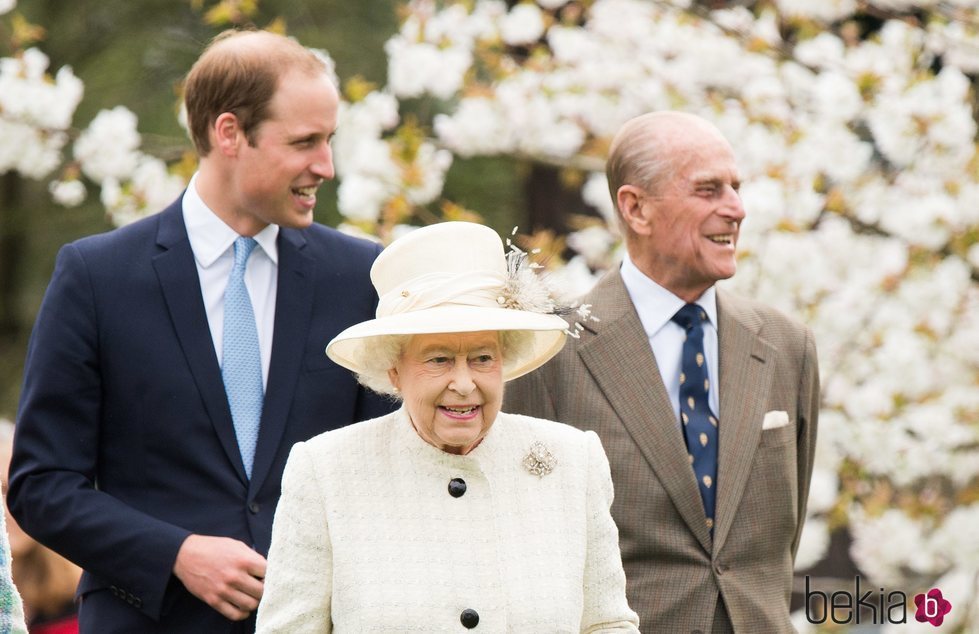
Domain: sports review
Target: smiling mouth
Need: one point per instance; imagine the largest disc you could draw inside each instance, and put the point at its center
(460, 410)
(722, 238)
(305, 192)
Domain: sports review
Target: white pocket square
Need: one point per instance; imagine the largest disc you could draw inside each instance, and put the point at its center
(775, 419)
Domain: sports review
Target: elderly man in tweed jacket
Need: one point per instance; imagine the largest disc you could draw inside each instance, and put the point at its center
(709, 520)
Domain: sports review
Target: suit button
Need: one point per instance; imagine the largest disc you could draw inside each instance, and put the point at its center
(254, 508)
(469, 618)
(720, 568)
(457, 488)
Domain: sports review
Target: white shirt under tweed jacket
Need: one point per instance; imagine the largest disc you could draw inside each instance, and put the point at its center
(367, 537)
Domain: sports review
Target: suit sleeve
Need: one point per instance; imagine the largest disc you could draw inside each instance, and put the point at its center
(298, 580)
(54, 492)
(808, 416)
(529, 395)
(605, 606)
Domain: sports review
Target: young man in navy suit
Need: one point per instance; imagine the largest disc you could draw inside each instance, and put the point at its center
(131, 457)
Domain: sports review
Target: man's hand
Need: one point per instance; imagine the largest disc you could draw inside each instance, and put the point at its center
(223, 572)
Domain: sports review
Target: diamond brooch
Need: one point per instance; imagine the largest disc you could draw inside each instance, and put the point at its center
(540, 461)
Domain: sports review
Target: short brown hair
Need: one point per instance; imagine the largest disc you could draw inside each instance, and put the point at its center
(239, 72)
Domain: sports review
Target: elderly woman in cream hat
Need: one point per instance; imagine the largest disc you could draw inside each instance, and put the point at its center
(448, 514)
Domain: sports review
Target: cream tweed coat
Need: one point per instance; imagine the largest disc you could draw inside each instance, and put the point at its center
(368, 538)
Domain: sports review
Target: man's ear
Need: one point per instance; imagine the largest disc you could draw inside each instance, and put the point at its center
(634, 207)
(228, 134)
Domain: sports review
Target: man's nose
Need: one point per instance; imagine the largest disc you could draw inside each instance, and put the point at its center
(731, 205)
(322, 165)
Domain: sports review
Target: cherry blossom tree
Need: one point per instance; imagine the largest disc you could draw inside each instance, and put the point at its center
(855, 130)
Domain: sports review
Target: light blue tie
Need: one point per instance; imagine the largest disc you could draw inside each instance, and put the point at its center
(241, 364)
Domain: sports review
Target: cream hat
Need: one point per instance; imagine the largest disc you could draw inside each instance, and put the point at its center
(454, 277)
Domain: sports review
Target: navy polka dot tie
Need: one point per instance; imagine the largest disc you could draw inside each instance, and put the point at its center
(241, 364)
(698, 421)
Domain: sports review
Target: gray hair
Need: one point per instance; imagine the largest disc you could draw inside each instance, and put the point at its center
(648, 152)
(381, 353)
(639, 156)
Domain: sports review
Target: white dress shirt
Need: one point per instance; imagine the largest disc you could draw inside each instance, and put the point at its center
(656, 307)
(212, 242)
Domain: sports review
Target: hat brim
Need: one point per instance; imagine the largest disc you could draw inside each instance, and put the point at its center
(547, 333)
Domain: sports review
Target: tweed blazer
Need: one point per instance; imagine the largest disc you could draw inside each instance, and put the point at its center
(608, 381)
(368, 537)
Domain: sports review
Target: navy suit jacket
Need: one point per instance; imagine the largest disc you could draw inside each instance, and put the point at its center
(124, 442)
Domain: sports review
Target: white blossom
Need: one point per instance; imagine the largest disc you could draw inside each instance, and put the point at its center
(70, 193)
(523, 25)
(150, 188)
(593, 243)
(801, 622)
(737, 18)
(957, 43)
(573, 280)
(29, 96)
(360, 197)
(825, 50)
(902, 5)
(595, 193)
(813, 544)
(825, 10)
(432, 164)
(7, 5)
(824, 489)
(108, 148)
(876, 538)
(479, 126)
(419, 68)
(29, 150)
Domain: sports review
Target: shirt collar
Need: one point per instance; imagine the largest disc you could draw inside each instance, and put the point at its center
(210, 237)
(655, 304)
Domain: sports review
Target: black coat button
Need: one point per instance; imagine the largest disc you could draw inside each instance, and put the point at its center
(254, 507)
(457, 487)
(469, 618)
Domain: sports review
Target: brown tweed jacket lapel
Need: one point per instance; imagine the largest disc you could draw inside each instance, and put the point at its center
(620, 360)
(746, 380)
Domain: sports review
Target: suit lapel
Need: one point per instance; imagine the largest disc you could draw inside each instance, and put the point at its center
(181, 287)
(745, 382)
(293, 310)
(620, 359)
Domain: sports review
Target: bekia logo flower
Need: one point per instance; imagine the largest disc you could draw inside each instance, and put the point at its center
(932, 607)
